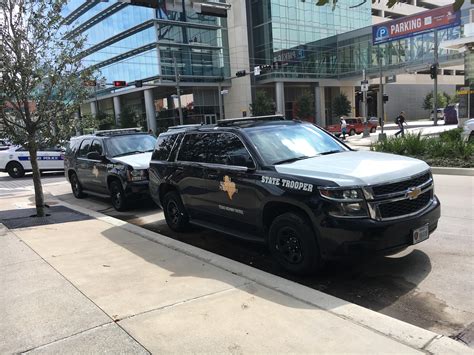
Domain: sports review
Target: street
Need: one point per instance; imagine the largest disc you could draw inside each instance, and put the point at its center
(430, 285)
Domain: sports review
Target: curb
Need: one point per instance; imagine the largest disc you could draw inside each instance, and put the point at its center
(400, 331)
(452, 171)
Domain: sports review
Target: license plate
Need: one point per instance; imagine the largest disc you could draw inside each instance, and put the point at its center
(421, 234)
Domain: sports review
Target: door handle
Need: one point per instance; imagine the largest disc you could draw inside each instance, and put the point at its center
(212, 176)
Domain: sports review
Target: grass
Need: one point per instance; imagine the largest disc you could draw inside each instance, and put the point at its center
(447, 150)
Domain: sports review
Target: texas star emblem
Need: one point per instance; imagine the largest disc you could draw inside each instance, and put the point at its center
(413, 193)
(95, 171)
(228, 186)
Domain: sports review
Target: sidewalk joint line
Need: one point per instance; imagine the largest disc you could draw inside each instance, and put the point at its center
(190, 300)
(82, 293)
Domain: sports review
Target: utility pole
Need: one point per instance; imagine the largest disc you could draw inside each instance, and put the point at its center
(221, 108)
(381, 101)
(435, 91)
(178, 91)
(364, 106)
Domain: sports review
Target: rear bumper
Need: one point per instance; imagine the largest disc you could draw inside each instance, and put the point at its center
(358, 237)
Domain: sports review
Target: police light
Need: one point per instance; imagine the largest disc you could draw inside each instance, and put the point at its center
(240, 73)
(119, 83)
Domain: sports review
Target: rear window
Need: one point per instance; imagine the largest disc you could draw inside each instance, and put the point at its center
(163, 146)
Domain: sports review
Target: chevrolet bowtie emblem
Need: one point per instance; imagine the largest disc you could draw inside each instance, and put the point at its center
(413, 193)
(228, 186)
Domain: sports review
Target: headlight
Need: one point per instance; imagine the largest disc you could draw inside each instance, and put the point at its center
(345, 202)
(136, 175)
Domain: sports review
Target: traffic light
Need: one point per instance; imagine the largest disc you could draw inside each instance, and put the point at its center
(359, 96)
(434, 71)
(265, 68)
(240, 73)
(119, 83)
(138, 83)
(385, 98)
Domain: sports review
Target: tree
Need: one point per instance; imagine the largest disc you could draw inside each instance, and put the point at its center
(262, 105)
(305, 108)
(42, 78)
(428, 100)
(128, 118)
(341, 105)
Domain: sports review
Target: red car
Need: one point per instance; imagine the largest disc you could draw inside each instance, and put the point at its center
(354, 126)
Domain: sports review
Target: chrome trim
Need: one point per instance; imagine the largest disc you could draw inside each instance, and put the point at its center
(398, 193)
(350, 200)
(403, 197)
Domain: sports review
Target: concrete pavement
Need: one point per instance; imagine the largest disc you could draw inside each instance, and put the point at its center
(105, 285)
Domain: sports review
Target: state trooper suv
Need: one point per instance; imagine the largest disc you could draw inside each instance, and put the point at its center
(293, 186)
(110, 163)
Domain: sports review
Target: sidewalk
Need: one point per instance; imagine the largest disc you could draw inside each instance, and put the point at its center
(97, 284)
(425, 128)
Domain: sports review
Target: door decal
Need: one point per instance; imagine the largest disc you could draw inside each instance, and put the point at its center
(228, 186)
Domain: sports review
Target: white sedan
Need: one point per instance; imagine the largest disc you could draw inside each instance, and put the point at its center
(16, 160)
(468, 130)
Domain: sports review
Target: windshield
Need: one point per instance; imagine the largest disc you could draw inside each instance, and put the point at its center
(280, 144)
(130, 144)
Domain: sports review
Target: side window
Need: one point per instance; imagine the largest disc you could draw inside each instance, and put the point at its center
(96, 147)
(163, 146)
(194, 147)
(85, 145)
(229, 150)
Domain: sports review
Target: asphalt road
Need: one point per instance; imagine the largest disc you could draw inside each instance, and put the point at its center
(430, 285)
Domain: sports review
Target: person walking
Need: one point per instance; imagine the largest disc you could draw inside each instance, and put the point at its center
(400, 122)
(343, 127)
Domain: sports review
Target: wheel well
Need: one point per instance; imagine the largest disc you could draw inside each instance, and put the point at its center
(164, 189)
(110, 179)
(274, 209)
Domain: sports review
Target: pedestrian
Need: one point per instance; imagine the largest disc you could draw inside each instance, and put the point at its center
(343, 127)
(400, 122)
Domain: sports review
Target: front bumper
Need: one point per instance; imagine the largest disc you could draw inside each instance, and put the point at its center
(137, 189)
(358, 237)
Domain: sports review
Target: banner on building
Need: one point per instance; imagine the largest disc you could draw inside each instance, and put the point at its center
(440, 18)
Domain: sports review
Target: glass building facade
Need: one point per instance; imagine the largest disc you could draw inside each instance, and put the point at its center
(125, 42)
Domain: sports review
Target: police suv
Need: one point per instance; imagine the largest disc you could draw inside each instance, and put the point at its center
(293, 186)
(110, 163)
(15, 160)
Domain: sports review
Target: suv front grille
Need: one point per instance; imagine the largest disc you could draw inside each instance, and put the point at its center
(401, 186)
(405, 207)
(391, 201)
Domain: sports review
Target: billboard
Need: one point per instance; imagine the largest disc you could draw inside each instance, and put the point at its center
(440, 18)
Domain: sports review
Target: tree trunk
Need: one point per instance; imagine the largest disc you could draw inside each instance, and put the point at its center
(39, 197)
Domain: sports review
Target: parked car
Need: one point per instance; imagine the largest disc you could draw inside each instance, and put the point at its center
(354, 126)
(468, 130)
(16, 160)
(440, 115)
(294, 187)
(111, 163)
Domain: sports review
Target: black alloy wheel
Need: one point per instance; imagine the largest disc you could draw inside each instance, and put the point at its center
(293, 244)
(119, 201)
(76, 186)
(175, 213)
(15, 170)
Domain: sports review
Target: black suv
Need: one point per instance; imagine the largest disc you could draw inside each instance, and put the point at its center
(293, 186)
(110, 163)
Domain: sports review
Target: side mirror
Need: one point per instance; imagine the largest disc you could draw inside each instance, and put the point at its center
(94, 156)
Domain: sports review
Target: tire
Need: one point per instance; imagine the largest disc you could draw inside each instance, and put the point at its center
(352, 132)
(372, 130)
(15, 170)
(119, 201)
(76, 186)
(292, 243)
(175, 213)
